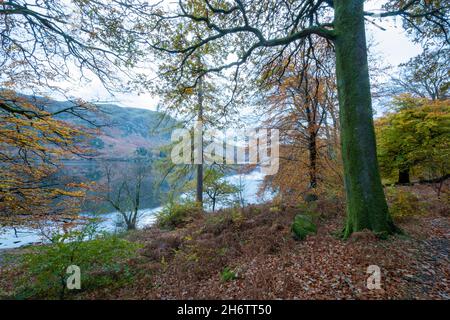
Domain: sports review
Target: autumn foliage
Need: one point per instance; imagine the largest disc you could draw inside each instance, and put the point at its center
(301, 101)
(415, 140)
(32, 143)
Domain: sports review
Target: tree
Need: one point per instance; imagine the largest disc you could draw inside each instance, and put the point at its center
(298, 96)
(51, 40)
(42, 44)
(258, 32)
(426, 21)
(125, 194)
(202, 103)
(425, 76)
(216, 188)
(32, 141)
(415, 137)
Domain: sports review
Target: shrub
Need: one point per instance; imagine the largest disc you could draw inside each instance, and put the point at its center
(237, 216)
(227, 274)
(100, 259)
(309, 209)
(174, 215)
(403, 204)
(216, 223)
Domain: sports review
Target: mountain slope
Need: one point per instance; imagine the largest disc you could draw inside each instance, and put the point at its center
(124, 132)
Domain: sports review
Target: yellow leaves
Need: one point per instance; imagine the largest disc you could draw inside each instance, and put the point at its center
(31, 144)
(188, 91)
(417, 135)
(61, 192)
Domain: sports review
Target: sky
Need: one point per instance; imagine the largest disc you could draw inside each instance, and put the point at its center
(392, 45)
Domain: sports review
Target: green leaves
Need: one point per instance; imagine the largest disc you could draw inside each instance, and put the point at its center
(175, 215)
(227, 275)
(416, 137)
(101, 261)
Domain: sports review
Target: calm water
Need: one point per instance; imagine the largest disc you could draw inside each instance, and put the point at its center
(17, 237)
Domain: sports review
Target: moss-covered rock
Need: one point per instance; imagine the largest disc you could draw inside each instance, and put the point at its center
(302, 226)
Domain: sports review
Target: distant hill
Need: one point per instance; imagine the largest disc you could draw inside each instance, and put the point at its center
(131, 131)
(125, 132)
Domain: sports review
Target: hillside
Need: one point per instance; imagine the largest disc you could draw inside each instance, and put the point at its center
(124, 131)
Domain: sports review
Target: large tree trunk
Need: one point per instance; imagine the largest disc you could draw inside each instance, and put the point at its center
(199, 191)
(366, 203)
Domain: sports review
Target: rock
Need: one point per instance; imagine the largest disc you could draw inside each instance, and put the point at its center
(303, 226)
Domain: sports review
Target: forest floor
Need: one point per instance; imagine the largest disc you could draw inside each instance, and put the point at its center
(257, 247)
(251, 254)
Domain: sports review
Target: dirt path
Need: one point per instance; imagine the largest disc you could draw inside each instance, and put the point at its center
(431, 279)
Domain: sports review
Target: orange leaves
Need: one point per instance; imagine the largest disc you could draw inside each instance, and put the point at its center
(188, 91)
(301, 101)
(32, 142)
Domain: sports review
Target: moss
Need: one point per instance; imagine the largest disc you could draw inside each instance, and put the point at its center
(366, 203)
(302, 226)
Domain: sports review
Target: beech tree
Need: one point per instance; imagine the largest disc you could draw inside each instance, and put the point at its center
(297, 97)
(203, 103)
(43, 43)
(32, 141)
(255, 33)
(415, 138)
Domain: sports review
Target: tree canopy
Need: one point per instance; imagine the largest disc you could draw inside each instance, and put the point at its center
(426, 75)
(415, 138)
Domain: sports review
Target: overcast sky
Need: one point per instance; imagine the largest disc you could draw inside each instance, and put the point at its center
(393, 45)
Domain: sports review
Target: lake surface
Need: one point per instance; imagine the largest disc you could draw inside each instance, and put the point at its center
(21, 236)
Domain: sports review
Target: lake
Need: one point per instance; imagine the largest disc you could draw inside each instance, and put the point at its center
(21, 236)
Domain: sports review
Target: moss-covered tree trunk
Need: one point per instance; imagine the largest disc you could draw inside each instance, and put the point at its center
(366, 203)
